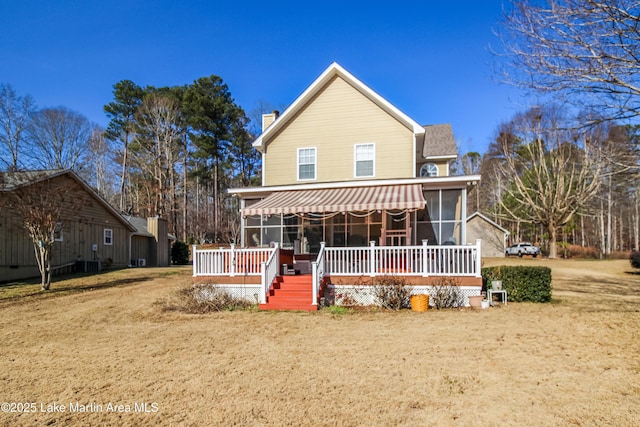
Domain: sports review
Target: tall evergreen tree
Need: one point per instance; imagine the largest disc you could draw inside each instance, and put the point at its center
(127, 97)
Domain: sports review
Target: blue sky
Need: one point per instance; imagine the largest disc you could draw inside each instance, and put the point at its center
(431, 59)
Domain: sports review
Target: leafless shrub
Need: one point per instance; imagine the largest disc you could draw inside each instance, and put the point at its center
(392, 292)
(202, 299)
(445, 293)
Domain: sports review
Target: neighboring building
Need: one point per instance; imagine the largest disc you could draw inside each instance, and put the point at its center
(344, 166)
(494, 237)
(91, 230)
(147, 248)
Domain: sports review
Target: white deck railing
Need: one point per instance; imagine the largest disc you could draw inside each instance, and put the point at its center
(230, 261)
(424, 260)
(454, 260)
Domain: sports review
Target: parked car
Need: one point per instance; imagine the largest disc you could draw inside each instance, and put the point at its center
(521, 249)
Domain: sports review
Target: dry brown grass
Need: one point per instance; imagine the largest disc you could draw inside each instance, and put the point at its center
(572, 362)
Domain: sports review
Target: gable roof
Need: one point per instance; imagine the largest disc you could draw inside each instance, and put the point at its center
(439, 142)
(142, 227)
(332, 71)
(140, 224)
(493, 223)
(10, 181)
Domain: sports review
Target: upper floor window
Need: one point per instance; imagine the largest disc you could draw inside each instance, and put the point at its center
(365, 155)
(429, 169)
(306, 164)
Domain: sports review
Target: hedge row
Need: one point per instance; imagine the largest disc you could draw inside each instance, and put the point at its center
(532, 284)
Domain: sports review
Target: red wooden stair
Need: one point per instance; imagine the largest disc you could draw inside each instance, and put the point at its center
(290, 293)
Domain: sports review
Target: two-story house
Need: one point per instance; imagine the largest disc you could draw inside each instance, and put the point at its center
(343, 166)
(352, 188)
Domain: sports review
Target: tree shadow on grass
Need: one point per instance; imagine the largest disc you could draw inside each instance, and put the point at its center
(37, 293)
(102, 285)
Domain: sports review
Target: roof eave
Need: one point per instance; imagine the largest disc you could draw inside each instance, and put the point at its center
(435, 182)
(335, 70)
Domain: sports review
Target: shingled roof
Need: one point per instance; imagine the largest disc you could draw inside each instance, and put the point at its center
(439, 141)
(9, 181)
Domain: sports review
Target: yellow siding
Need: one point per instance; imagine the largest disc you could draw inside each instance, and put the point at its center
(441, 164)
(336, 119)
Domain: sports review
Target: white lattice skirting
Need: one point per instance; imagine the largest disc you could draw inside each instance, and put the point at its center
(349, 295)
(250, 293)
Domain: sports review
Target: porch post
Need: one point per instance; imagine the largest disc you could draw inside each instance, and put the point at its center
(232, 260)
(372, 258)
(263, 282)
(478, 257)
(425, 261)
(194, 258)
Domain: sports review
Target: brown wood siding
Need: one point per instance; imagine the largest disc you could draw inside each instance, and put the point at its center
(334, 121)
(82, 226)
(141, 247)
(160, 251)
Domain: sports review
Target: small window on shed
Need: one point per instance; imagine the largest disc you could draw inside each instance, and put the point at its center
(57, 233)
(108, 236)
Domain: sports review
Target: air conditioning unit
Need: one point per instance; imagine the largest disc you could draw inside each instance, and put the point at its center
(142, 262)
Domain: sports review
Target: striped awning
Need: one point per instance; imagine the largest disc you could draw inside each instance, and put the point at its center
(407, 196)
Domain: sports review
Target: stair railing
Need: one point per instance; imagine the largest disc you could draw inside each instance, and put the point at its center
(317, 273)
(269, 271)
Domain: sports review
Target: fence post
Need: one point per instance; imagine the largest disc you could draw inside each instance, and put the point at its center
(372, 258)
(232, 260)
(478, 257)
(263, 282)
(194, 259)
(425, 261)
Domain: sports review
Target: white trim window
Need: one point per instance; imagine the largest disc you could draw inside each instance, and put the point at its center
(428, 170)
(57, 233)
(364, 155)
(307, 164)
(108, 236)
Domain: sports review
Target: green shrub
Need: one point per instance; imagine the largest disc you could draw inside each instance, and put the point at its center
(180, 253)
(635, 259)
(522, 283)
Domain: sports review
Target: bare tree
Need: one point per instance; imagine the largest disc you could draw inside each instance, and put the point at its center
(39, 201)
(102, 174)
(552, 172)
(588, 50)
(156, 147)
(59, 139)
(15, 112)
